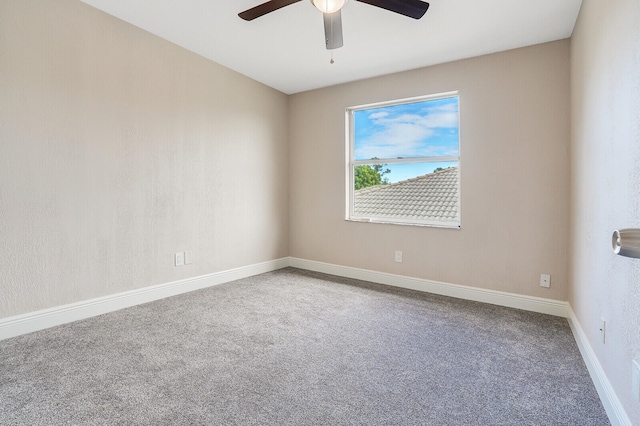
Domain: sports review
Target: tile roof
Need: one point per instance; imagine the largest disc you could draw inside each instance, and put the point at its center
(433, 196)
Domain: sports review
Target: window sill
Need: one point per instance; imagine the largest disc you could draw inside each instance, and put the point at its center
(445, 225)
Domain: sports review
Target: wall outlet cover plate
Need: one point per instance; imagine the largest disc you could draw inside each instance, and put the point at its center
(545, 280)
(179, 259)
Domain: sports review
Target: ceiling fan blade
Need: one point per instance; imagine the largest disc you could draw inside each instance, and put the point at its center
(333, 30)
(264, 8)
(412, 8)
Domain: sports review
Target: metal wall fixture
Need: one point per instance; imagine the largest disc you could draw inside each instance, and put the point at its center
(626, 242)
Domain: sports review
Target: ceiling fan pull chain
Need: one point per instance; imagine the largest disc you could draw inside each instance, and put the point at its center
(331, 61)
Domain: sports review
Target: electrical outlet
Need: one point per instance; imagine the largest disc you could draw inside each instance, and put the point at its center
(545, 280)
(179, 259)
(188, 257)
(603, 330)
(398, 256)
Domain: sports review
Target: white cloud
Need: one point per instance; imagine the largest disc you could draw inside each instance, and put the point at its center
(377, 115)
(409, 134)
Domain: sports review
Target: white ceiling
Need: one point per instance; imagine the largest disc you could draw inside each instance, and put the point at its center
(285, 49)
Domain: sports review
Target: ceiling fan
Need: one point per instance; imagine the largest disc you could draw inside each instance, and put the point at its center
(332, 17)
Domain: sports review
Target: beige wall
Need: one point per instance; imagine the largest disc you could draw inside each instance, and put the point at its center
(514, 127)
(118, 149)
(605, 104)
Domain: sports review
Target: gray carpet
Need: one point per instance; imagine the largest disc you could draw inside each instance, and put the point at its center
(299, 348)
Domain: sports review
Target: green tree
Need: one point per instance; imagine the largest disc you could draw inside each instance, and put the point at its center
(439, 169)
(370, 175)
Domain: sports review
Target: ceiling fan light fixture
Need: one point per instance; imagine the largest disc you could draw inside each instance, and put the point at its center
(328, 6)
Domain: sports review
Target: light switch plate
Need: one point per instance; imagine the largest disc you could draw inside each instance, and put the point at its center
(179, 259)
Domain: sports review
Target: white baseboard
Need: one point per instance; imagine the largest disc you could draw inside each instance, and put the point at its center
(511, 300)
(39, 320)
(610, 401)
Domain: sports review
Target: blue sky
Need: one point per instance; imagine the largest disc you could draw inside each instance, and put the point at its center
(419, 129)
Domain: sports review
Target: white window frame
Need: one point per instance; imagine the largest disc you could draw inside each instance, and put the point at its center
(351, 163)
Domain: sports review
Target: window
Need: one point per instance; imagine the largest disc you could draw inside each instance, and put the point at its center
(404, 162)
